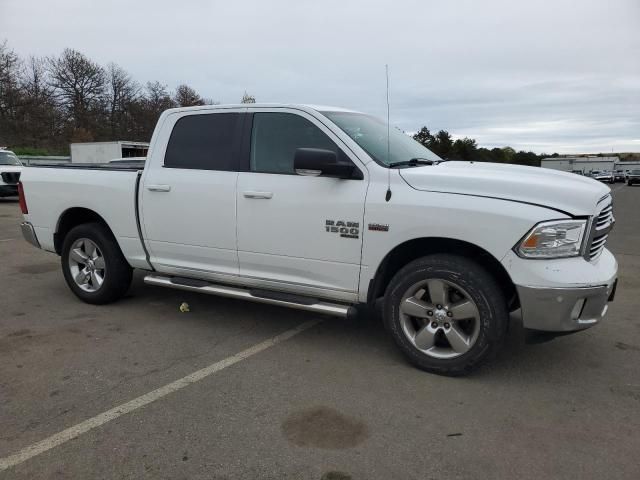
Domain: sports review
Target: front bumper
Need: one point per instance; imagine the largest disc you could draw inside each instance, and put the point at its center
(563, 295)
(564, 309)
(29, 234)
(8, 190)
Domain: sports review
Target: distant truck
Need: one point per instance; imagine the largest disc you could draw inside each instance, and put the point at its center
(633, 177)
(103, 152)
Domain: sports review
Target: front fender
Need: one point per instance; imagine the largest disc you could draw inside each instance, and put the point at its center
(493, 225)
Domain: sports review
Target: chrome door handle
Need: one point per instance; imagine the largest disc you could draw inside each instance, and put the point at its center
(264, 195)
(159, 188)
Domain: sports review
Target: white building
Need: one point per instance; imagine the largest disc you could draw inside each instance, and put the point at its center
(102, 152)
(582, 165)
(626, 166)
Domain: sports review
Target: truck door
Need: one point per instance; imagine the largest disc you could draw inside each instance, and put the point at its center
(188, 193)
(297, 233)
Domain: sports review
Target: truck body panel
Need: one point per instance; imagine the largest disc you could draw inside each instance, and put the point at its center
(309, 233)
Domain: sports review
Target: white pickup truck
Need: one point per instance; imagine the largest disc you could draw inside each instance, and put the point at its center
(323, 209)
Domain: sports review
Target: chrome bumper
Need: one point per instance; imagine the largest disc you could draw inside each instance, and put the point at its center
(564, 309)
(29, 234)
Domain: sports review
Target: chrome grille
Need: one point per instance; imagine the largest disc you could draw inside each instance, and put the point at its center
(601, 227)
(605, 217)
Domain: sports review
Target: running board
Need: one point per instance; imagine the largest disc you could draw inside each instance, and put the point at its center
(253, 295)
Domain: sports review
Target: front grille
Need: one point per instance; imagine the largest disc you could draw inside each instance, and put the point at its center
(602, 225)
(597, 245)
(11, 178)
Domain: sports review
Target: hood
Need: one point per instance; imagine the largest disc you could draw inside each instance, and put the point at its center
(568, 192)
(10, 168)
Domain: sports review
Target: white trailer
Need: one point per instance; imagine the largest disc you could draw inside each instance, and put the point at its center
(103, 152)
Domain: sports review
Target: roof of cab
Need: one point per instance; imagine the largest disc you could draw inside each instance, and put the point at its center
(317, 108)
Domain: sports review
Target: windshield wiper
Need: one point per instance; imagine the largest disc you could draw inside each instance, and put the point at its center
(411, 163)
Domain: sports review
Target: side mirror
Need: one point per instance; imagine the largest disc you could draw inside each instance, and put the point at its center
(317, 161)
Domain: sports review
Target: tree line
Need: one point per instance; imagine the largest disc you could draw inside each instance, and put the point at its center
(47, 103)
(443, 145)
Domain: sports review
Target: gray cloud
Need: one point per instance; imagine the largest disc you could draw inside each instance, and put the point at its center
(554, 75)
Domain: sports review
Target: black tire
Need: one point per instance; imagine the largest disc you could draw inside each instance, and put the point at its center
(480, 286)
(117, 272)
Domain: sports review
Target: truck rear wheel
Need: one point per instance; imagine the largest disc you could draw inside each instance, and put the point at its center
(446, 313)
(93, 265)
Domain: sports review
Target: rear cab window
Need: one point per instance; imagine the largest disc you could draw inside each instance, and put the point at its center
(205, 141)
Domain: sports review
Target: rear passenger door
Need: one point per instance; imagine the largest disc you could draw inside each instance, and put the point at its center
(298, 233)
(188, 201)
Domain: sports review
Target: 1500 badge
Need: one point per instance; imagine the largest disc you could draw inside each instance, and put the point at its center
(344, 229)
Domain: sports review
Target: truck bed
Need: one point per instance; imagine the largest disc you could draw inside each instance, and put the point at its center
(51, 191)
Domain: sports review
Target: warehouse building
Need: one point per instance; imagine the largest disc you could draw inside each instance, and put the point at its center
(581, 165)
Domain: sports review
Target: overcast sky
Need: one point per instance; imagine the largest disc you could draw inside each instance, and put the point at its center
(553, 75)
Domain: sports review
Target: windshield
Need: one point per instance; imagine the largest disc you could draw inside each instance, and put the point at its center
(9, 158)
(371, 134)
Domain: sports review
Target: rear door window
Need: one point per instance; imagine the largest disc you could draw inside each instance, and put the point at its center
(204, 142)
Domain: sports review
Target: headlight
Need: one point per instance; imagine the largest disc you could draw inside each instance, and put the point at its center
(556, 239)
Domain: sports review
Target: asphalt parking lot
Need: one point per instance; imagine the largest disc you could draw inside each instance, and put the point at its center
(333, 399)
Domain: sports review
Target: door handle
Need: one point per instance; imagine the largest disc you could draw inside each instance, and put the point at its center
(159, 188)
(264, 195)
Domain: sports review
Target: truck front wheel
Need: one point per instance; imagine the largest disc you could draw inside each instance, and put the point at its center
(93, 265)
(446, 313)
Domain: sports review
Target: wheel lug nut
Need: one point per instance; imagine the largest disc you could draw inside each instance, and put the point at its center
(449, 314)
(446, 325)
(434, 324)
(430, 313)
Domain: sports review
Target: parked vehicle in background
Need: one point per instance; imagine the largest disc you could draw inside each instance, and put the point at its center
(325, 209)
(10, 169)
(633, 177)
(619, 175)
(606, 177)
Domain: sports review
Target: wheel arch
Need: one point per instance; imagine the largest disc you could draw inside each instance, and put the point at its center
(410, 250)
(72, 217)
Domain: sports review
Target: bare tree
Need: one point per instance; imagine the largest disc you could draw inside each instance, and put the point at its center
(122, 92)
(145, 111)
(79, 85)
(187, 97)
(40, 119)
(10, 95)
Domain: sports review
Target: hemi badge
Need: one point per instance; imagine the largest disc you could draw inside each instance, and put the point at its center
(378, 227)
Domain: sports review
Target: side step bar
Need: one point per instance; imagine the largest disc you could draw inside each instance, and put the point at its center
(255, 295)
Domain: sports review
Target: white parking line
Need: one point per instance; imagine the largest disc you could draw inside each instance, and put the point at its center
(83, 427)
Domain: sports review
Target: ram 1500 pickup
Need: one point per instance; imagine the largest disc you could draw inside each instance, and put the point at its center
(324, 209)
